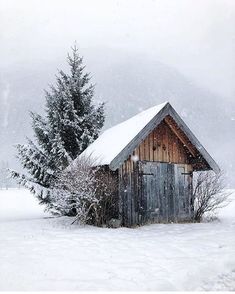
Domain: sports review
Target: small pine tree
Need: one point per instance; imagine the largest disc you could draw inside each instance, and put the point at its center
(71, 123)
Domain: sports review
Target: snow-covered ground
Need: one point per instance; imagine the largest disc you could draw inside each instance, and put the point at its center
(38, 252)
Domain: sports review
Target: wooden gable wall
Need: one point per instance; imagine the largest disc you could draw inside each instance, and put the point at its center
(160, 145)
(164, 146)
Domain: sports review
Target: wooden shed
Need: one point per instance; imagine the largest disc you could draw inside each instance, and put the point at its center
(153, 155)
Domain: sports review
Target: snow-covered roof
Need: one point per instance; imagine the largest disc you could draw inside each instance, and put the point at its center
(115, 144)
(112, 141)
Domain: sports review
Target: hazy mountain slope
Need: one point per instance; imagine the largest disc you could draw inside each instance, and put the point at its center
(136, 83)
(128, 84)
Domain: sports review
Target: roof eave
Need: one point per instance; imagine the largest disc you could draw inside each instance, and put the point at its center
(154, 122)
(211, 162)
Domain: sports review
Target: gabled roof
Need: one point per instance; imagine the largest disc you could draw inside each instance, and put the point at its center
(116, 144)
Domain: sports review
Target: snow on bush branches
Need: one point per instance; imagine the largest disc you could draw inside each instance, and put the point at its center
(75, 190)
(84, 191)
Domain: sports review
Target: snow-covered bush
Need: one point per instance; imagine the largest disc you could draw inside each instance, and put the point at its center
(209, 193)
(86, 192)
(74, 191)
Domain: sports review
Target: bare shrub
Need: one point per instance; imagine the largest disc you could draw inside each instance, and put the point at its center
(209, 193)
(86, 192)
(106, 191)
(74, 190)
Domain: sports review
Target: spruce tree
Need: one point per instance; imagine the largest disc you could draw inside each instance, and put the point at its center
(70, 124)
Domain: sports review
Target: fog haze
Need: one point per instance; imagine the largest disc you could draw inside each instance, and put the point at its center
(140, 53)
(197, 37)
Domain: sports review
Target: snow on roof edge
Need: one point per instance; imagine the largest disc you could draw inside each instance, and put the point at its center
(113, 140)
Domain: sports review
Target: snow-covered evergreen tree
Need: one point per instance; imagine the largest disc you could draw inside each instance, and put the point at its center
(71, 123)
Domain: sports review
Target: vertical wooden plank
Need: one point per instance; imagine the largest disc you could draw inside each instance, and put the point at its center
(191, 200)
(151, 146)
(136, 171)
(163, 186)
(187, 193)
(150, 178)
(164, 180)
(144, 199)
(140, 192)
(133, 196)
(143, 204)
(176, 176)
(122, 194)
(131, 164)
(170, 192)
(153, 190)
(178, 151)
(127, 166)
(163, 143)
(148, 199)
(157, 185)
(181, 172)
(175, 151)
(138, 148)
(166, 144)
(153, 193)
(136, 153)
(147, 148)
(159, 145)
(120, 201)
(126, 194)
(164, 140)
(170, 146)
(167, 190)
(160, 185)
(143, 150)
(133, 192)
(128, 200)
(124, 197)
(155, 158)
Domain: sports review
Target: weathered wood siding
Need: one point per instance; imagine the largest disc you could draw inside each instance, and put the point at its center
(155, 181)
(166, 192)
(155, 192)
(163, 145)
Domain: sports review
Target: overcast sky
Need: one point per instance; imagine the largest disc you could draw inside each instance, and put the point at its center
(195, 36)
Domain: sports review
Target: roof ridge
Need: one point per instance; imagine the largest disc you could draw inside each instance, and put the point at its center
(138, 114)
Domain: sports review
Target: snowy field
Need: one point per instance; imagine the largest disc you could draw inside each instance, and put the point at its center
(38, 252)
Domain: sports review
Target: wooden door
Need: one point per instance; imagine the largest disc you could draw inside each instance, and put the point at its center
(166, 192)
(183, 192)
